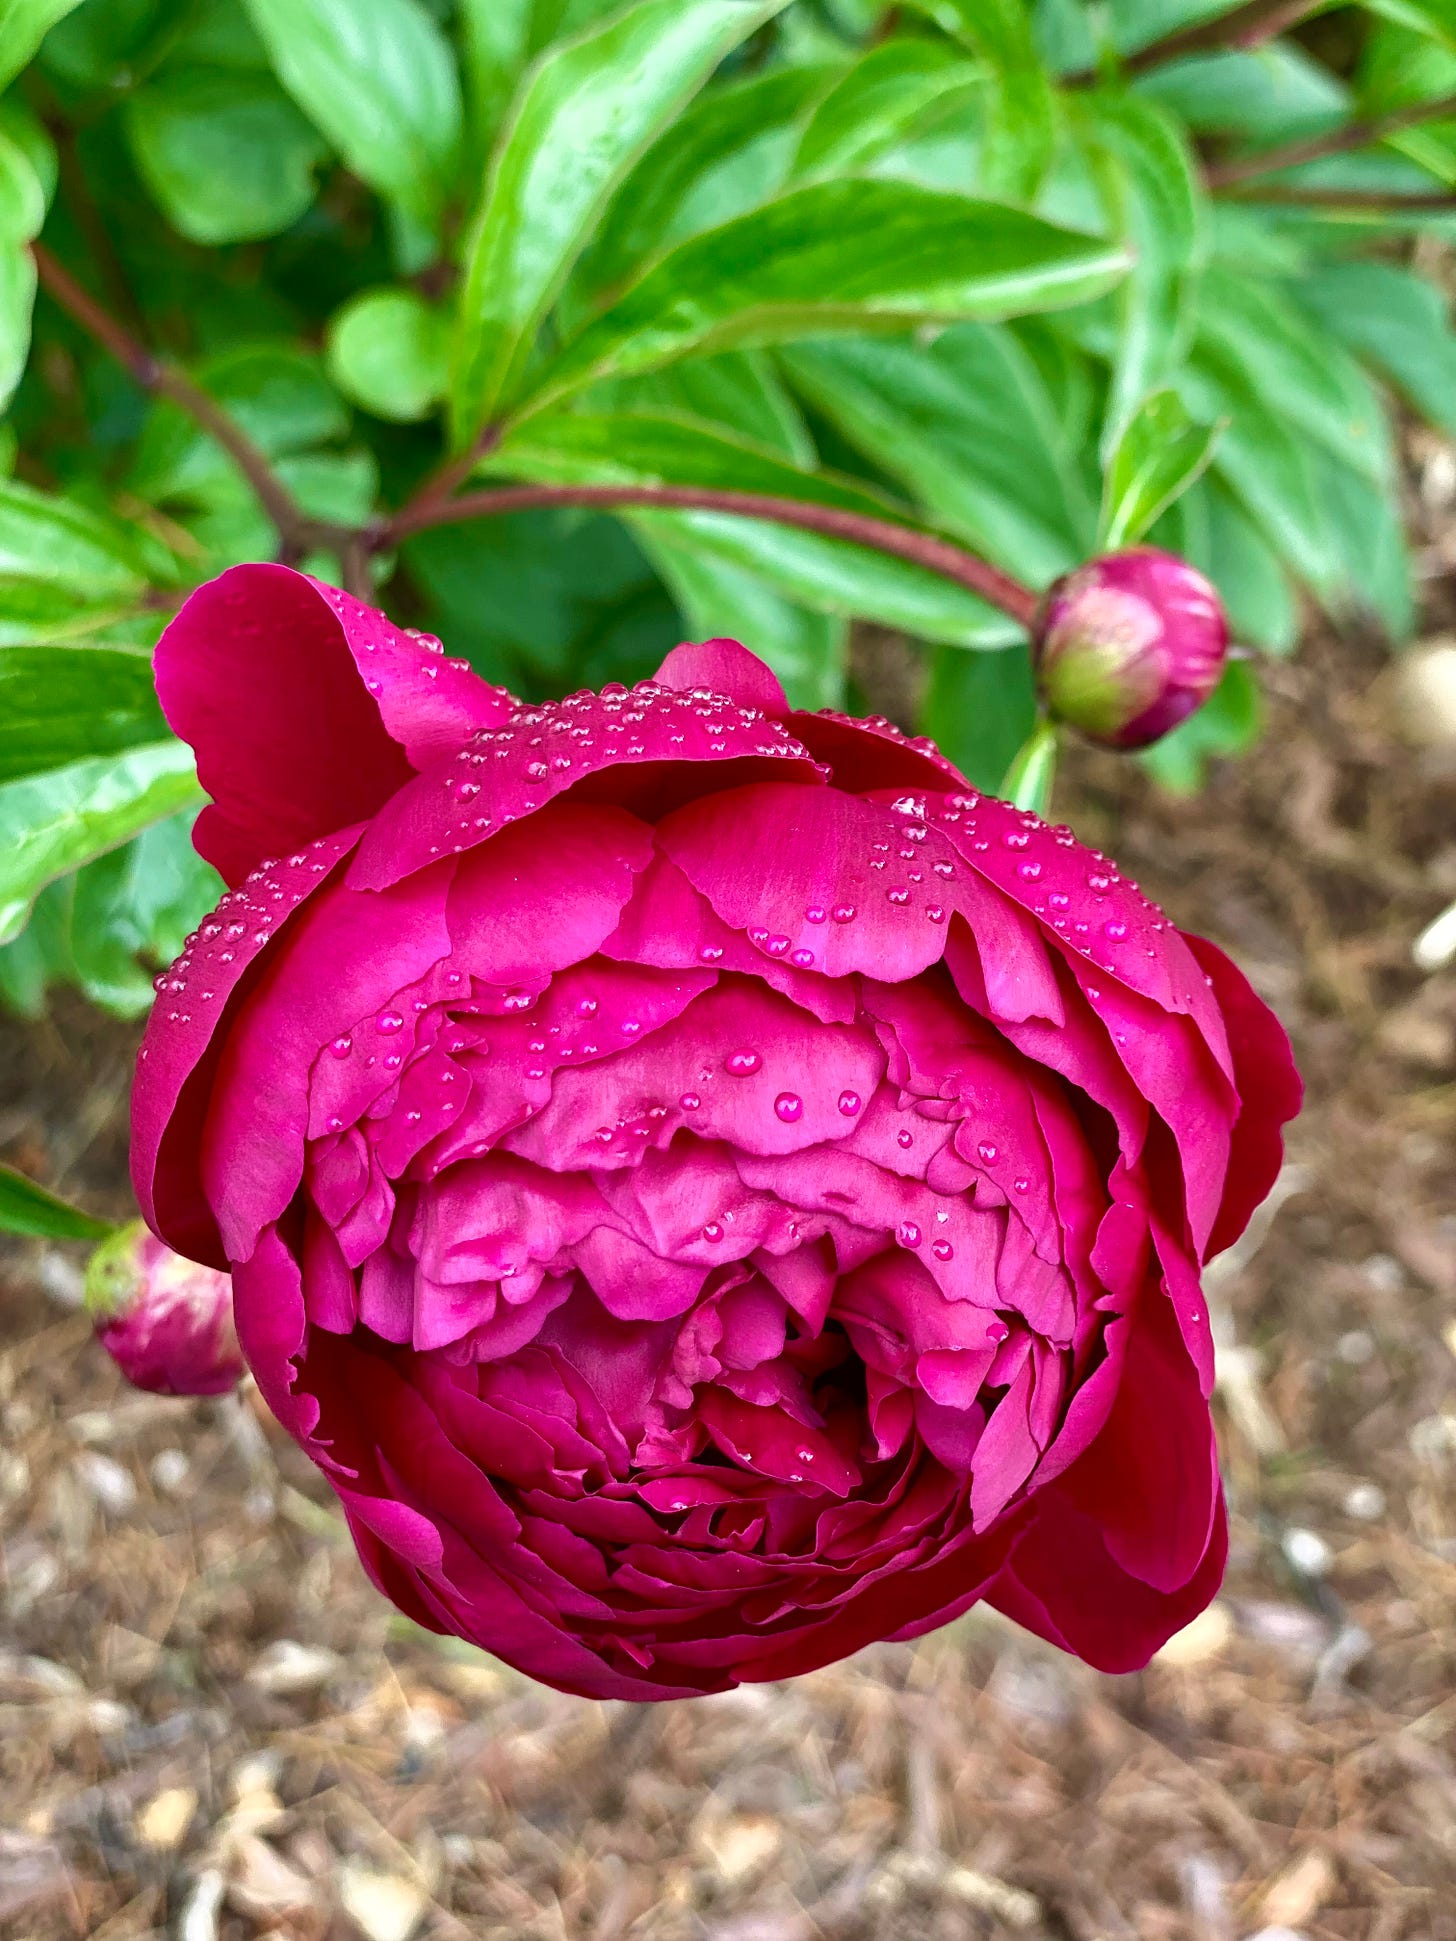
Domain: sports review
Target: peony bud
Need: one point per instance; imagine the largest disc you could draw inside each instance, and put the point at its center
(166, 1322)
(1128, 646)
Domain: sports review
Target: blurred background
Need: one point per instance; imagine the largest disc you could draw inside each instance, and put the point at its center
(1037, 279)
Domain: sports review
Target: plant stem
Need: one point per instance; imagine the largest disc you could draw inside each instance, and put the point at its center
(936, 555)
(297, 532)
(1029, 780)
(1339, 141)
(1244, 29)
(1390, 202)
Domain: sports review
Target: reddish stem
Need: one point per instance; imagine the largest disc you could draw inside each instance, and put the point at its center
(1339, 141)
(936, 555)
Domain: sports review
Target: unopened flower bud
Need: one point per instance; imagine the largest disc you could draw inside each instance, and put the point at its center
(1129, 645)
(166, 1322)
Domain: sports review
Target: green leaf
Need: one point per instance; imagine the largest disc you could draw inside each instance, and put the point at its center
(588, 111)
(806, 650)
(850, 255)
(865, 111)
(22, 211)
(27, 1208)
(63, 568)
(967, 427)
(740, 391)
(1148, 178)
(571, 599)
(1399, 321)
(226, 155)
(1245, 568)
(1229, 723)
(278, 394)
(979, 710)
(834, 576)
(1023, 118)
(497, 45)
(728, 152)
(1275, 95)
(24, 24)
(389, 351)
(378, 77)
(60, 704)
(1029, 781)
(1436, 19)
(54, 822)
(1159, 455)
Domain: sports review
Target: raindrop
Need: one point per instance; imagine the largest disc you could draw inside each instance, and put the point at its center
(341, 1047)
(1115, 930)
(989, 1153)
(850, 1103)
(803, 958)
(898, 896)
(843, 913)
(1016, 839)
(742, 1064)
(789, 1107)
(943, 1250)
(935, 913)
(1028, 871)
(389, 1022)
(1098, 883)
(906, 1139)
(690, 1101)
(909, 1234)
(710, 953)
(1021, 1184)
(816, 913)
(713, 1233)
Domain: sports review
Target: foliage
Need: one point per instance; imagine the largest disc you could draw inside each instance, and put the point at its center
(1029, 277)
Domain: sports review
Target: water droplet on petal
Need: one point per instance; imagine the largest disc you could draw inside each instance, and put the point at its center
(816, 913)
(710, 953)
(850, 1103)
(843, 913)
(713, 1233)
(943, 1250)
(1115, 930)
(341, 1047)
(389, 1022)
(908, 1234)
(744, 1063)
(690, 1101)
(789, 1107)
(1021, 1184)
(989, 1153)
(906, 1139)
(803, 958)
(1028, 871)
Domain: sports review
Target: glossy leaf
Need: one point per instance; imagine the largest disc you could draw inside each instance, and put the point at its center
(740, 391)
(497, 46)
(850, 255)
(729, 151)
(389, 351)
(588, 111)
(378, 77)
(227, 156)
(1276, 94)
(22, 211)
(1022, 125)
(1159, 455)
(61, 704)
(26, 1208)
(54, 822)
(836, 577)
(967, 427)
(24, 24)
(980, 710)
(62, 567)
(865, 111)
(1397, 320)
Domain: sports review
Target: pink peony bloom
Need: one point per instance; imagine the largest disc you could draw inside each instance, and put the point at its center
(166, 1322)
(708, 1188)
(1129, 645)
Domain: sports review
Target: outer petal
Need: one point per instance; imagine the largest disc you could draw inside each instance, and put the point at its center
(645, 751)
(186, 1032)
(307, 710)
(1269, 1089)
(726, 667)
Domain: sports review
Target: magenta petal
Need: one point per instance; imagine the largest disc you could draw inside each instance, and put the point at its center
(348, 953)
(1268, 1087)
(185, 1038)
(817, 878)
(306, 709)
(725, 667)
(545, 892)
(645, 751)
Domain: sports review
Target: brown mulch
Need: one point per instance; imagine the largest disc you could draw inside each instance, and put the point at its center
(211, 1726)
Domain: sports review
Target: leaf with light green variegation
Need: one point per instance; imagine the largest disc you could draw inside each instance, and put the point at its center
(63, 704)
(1023, 125)
(24, 24)
(853, 255)
(1159, 455)
(55, 822)
(65, 569)
(883, 94)
(379, 78)
(588, 111)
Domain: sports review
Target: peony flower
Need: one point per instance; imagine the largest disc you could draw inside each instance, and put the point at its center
(166, 1322)
(1128, 646)
(709, 1189)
